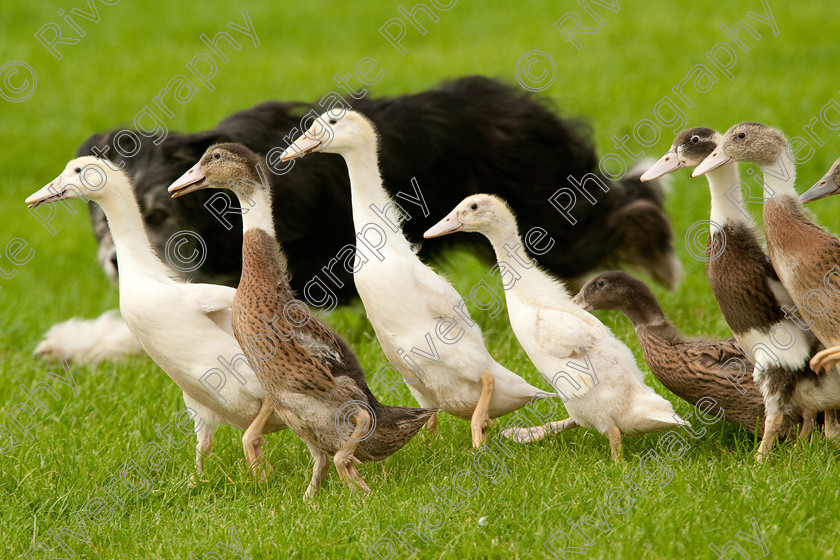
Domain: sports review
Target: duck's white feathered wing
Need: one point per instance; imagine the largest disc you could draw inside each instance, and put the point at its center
(440, 298)
(213, 300)
(563, 349)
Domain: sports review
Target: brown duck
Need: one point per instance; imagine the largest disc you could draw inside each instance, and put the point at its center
(827, 186)
(690, 368)
(747, 289)
(803, 256)
(312, 378)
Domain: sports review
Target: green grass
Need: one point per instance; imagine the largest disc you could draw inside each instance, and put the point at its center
(615, 80)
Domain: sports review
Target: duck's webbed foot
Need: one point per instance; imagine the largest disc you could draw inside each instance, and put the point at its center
(772, 424)
(431, 426)
(345, 461)
(203, 448)
(537, 433)
(345, 464)
(825, 359)
(808, 419)
(832, 427)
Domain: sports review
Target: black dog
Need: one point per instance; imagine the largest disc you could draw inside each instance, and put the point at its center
(467, 136)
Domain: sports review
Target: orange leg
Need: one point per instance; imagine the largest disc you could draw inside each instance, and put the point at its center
(480, 418)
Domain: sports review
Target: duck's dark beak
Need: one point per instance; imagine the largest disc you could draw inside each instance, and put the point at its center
(190, 181)
(581, 302)
(823, 188)
(712, 162)
(53, 192)
(302, 146)
(666, 164)
(449, 224)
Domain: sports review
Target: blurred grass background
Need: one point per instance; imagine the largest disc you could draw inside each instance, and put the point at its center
(614, 80)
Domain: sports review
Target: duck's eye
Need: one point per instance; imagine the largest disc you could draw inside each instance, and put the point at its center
(695, 139)
(217, 155)
(333, 121)
(78, 170)
(474, 206)
(601, 283)
(742, 135)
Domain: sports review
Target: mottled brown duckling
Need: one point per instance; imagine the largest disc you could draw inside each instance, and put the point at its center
(311, 376)
(690, 368)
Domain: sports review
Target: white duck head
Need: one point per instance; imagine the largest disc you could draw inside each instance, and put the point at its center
(481, 213)
(827, 186)
(85, 178)
(334, 133)
(690, 147)
(747, 142)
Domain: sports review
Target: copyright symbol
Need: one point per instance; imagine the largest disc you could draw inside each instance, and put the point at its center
(345, 421)
(526, 78)
(695, 241)
(99, 177)
(23, 86)
(175, 251)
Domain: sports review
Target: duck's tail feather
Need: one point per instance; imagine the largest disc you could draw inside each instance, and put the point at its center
(657, 420)
(395, 425)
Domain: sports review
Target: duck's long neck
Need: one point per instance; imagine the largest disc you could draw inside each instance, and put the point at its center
(135, 254)
(368, 195)
(780, 177)
(257, 210)
(520, 273)
(504, 236)
(263, 261)
(643, 311)
(727, 198)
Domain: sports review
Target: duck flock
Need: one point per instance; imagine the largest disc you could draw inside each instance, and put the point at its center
(292, 371)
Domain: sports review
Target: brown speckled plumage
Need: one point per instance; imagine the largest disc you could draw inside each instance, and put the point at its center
(295, 369)
(691, 369)
(309, 374)
(805, 253)
(262, 294)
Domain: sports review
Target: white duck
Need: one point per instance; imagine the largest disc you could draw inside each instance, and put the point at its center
(602, 385)
(185, 328)
(419, 318)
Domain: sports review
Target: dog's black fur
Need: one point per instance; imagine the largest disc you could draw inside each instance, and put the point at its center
(467, 136)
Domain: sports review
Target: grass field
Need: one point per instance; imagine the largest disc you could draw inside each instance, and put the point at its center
(641, 51)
